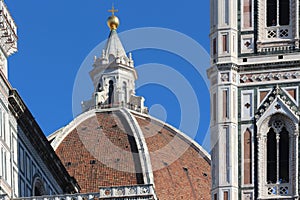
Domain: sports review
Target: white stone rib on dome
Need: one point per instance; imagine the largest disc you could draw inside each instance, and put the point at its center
(185, 137)
(59, 136)
(130, 116)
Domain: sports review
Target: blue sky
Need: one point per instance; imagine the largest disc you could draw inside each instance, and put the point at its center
(56, 36)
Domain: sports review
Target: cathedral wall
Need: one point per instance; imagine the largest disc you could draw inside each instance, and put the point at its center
(20, 165)
(30, 168)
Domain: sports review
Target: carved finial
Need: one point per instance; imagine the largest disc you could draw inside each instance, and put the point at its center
(130, 56)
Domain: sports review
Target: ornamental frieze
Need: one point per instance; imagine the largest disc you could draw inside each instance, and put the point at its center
(271, 76)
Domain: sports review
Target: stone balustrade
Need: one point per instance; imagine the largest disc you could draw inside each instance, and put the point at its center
(134, 192)
(128, 192)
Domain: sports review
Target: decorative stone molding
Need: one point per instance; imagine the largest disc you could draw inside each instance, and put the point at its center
(117, 192)
(79, 196)
(265, 77)
(247, 44)
(294, 22)
(248, 196)
(224, 77)
(128, 192)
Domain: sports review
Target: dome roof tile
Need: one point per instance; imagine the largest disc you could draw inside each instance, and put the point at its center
(103, 150)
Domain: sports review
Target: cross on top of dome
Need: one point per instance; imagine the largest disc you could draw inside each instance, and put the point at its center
(113, 10)
(113, 21)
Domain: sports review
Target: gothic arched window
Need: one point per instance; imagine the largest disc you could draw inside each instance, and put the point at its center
(278, 12)
(110, 92)
(271, 157)
(38, 187)
(284, 156)
(277, 154)
(124, 87)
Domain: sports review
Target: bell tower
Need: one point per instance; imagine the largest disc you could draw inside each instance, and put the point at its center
(254, 76)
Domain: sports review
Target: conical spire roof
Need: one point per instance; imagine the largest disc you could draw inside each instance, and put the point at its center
(114, 46)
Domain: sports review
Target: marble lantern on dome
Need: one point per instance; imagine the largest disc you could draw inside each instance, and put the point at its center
(114, 75)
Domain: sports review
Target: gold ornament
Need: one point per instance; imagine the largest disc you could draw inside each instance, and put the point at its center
(113, 22)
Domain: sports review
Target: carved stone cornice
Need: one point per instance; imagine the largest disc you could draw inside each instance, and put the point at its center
(227, 67)
(291, 64)
(270, 76)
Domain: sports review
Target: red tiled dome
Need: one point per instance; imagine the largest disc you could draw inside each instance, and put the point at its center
(120, 147)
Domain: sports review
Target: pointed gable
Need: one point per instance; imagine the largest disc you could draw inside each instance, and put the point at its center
(278, 101)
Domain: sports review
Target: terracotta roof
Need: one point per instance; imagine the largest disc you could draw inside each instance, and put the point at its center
(86, 153)
(120, 147)
(181, 169)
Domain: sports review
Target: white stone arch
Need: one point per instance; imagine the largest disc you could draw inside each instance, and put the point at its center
(106, 78)
(291, 125)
